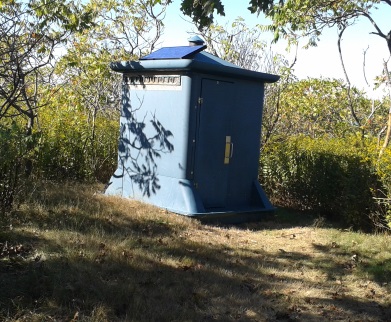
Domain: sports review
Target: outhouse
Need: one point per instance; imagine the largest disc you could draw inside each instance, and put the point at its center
(190, 130)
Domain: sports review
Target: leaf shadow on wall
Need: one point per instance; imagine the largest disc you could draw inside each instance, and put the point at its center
(140, 146)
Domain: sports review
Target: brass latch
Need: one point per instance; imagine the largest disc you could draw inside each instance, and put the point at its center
(229, 149)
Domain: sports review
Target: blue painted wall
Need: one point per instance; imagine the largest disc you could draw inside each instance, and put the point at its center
(172, 147)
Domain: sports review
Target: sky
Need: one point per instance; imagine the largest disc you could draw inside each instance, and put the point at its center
(321, 61)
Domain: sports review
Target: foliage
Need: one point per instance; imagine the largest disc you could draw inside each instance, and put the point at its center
(57, 86)
(310, 18)
(59, 100)
(237, 43)
(69, 149)
(241, 45)
(13, 151)
(337, 178)
(271, 118)
(130, 28)
(29, 37)
(294, 19)
(202, 11)
(30, 33)
(88, 98)
(81, 120)
(383, 170)
(305, 18)
(320, 107)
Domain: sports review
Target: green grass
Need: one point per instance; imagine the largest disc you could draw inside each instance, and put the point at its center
(71, 254)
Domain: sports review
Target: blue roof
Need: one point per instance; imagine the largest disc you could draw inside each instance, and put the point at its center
(196, 39)
(181, 52)
(189, 58)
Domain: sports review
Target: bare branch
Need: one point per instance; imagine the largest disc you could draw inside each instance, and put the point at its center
(363, 66)
(388, 133)
(351, 105)
(379, 32)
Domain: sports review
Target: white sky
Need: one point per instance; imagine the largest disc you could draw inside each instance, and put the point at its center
(321, 61)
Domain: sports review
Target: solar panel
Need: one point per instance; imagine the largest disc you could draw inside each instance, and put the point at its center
(181, 52)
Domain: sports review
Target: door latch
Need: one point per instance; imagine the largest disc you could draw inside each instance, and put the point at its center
(229, 149)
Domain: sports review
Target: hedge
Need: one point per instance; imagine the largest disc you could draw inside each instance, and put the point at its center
(336, 178)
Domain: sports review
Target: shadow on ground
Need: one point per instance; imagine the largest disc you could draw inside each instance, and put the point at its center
(116, 267)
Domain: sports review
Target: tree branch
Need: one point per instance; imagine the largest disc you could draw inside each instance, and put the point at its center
(363, 66)
(351, 105)
(388, 133)
(379, 32)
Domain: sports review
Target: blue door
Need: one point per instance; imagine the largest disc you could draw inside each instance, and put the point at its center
(213, 147)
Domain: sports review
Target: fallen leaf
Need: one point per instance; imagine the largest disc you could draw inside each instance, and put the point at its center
(75, 317)
(354, 258)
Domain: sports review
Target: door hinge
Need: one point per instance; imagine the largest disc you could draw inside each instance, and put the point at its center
(200, 100)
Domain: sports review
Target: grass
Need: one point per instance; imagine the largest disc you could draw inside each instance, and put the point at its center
(72, 254)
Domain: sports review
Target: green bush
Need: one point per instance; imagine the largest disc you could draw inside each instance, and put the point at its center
(73, 147)
(337, 178)
(13, 157)
(66, 146)
(383, 170)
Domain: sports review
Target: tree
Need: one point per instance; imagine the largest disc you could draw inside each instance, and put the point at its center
(320, 108)
(130, 27)
(304, 19)
(122, 31)
(55, 53)
(30, 33)
(242, 46)
(237, 43)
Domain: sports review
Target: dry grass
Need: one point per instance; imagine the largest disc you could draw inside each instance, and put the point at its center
(72, 254)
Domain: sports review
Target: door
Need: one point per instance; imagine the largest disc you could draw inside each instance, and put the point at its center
(213, 143)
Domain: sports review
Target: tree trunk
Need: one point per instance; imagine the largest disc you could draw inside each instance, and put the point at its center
(28, 163)
(388, 133)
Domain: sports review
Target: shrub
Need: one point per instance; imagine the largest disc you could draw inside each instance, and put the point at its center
(14, 147)
(73, 147)
(383, 170)
(337, 178)
(67, 146)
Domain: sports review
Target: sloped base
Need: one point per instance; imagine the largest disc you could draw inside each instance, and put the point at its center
(235, 217)
(180, 196)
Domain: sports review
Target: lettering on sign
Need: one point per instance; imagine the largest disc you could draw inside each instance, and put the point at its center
(170, 80)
